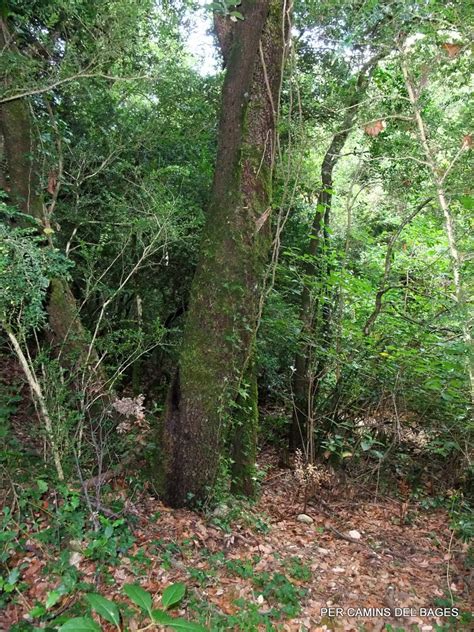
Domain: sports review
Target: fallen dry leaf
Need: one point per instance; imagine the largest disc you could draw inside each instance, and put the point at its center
(452, 49)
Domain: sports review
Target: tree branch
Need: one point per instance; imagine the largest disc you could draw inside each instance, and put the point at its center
(388, 264)
(79, 75)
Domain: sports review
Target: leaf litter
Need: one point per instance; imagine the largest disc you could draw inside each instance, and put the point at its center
(358, 552)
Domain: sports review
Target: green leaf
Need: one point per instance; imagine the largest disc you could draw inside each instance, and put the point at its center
(42, 486)
(13, 576)
(109, 531)
(163, 618)
(467, 201)
(53, 597)
(6, 536)
(377, 454)
(37, 611)
(366, 444)
(139, 596)
(80, 624)
(186, 626)
(106, 608)
(173, 595)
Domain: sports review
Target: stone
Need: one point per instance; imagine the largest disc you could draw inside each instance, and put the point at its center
(221, 511)
(305, 519)
(355, 535)
(77, 545)
(75, 559)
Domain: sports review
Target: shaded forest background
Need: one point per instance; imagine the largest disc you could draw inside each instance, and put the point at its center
(200, 267)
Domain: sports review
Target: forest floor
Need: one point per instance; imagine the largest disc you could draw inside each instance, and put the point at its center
(259, 567)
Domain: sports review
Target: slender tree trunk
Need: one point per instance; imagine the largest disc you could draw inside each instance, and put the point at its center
(438, 179)
(225, 293)
(38, 398)
(303, 387)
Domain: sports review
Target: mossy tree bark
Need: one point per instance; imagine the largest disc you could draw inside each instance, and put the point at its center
(226, 290)
(20, 178)
(244, 434)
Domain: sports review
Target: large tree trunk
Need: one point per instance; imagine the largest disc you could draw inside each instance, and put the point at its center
(226, 290)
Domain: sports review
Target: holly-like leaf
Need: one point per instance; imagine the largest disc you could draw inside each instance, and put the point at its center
(173, 595)
(80, 624)
(105, 608)
(139, 596)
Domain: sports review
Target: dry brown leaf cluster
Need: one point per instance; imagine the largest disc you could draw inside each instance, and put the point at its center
(375, 128)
